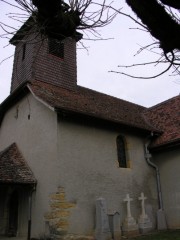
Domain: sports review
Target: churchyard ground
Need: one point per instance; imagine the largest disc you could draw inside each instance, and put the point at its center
(167, 235)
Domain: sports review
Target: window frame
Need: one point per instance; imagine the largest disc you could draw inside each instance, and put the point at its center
(24, 51)
(56, 48)
(122, 152)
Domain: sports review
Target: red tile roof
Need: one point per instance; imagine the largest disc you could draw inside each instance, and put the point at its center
(163, 118)
(91, 103)
(13, 168)
(166, 116)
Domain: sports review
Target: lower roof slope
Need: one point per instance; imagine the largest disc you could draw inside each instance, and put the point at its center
(13, 168)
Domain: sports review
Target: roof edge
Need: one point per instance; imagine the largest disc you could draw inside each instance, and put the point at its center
(167, 145)
(90, 116)
(17, 94)
(39, 99)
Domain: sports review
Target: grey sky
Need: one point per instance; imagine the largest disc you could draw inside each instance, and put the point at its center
(102, 56)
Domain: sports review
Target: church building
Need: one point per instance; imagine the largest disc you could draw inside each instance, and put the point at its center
(65, 148)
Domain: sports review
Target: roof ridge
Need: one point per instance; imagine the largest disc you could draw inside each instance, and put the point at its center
(7, 148)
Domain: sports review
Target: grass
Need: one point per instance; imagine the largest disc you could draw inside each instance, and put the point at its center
(167, 235)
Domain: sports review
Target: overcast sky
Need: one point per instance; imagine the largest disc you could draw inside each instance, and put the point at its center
(103, 56)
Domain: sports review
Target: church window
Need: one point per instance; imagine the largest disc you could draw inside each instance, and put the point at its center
(121, 151)
(56, 48)
(24, 51)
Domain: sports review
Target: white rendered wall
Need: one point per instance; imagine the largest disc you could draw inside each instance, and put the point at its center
(169, 166)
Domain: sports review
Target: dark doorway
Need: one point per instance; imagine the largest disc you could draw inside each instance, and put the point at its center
(13, 214)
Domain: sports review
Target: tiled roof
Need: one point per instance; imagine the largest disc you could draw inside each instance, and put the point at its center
(163, 118)
(13, 168)
(166, 116)
(91, 103)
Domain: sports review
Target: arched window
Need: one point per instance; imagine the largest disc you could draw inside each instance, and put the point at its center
(56, 48)
(121, 151)
(24, 51)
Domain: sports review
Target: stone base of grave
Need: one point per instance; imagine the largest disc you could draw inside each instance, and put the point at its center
(117, 235)
(129, 234)
(115, 225)
(75, 237)
(145, 224)
(130, 228)
(103, 236)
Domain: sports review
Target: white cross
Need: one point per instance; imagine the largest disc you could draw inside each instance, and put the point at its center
(142, 198)
(128, 200)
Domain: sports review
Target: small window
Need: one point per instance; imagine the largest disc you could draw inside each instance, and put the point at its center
(56, 48)
(24, 51)
(121, 151)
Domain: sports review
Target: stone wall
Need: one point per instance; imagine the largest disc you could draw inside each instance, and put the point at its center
(58, 216)
(75, 162)
(89, 169)
(33, 127)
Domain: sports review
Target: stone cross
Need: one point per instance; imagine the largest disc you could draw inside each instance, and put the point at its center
(142, 198)
(129, 224)
(128, 200)
(145, 224)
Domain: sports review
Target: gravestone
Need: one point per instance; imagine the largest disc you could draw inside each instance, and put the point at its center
(115, 225)
(102, 231)
(145, 224)
(130, 227)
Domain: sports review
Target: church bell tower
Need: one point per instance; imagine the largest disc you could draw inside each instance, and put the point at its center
(43, 59)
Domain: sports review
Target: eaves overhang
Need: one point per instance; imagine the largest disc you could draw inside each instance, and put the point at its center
(25, 88)
(165, 146)
(69, 113)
